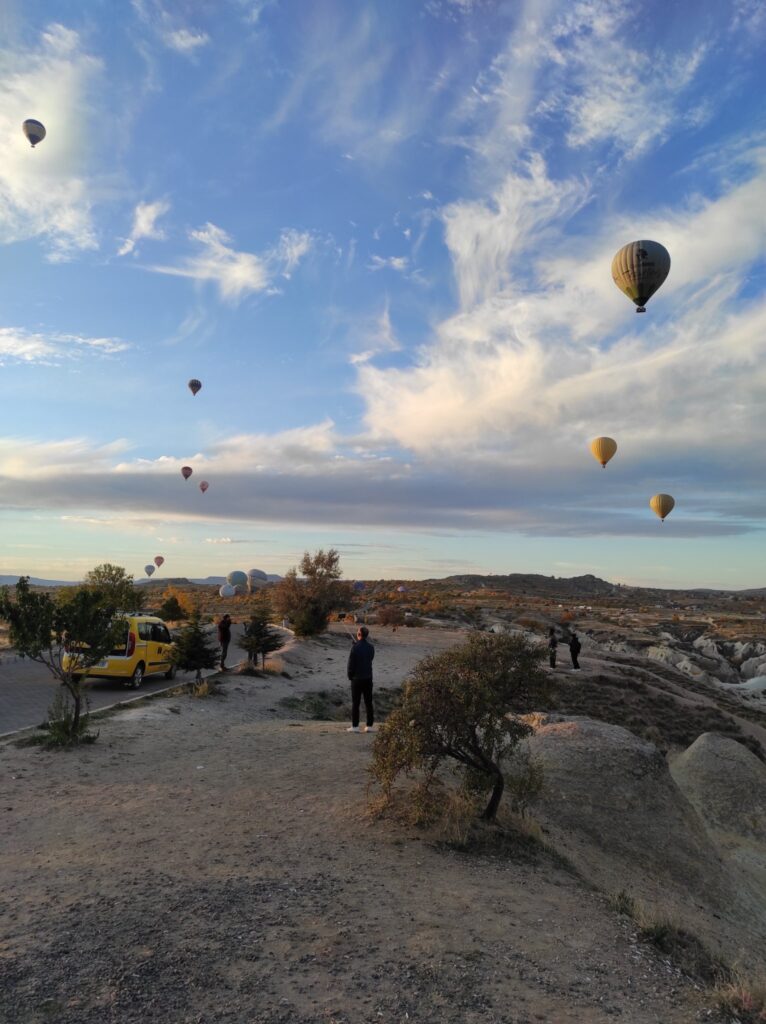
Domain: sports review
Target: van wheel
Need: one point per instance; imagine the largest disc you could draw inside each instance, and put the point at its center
(171, 672)
(138, 676)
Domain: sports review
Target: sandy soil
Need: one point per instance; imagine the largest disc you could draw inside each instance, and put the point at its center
(212, 861)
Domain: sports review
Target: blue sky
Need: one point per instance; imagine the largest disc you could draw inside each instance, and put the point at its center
(381, 236)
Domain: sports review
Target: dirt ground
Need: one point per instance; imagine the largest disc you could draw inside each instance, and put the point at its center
(211, 860)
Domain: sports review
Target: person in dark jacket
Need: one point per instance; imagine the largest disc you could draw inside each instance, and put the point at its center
(552, 645)
(360, 674)
(224, 638)
(574, 649)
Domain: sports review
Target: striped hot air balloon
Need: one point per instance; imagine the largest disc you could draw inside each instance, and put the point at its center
(34, 131)
(638, 270)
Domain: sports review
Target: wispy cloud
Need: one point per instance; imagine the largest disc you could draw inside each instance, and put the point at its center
(398, 263)
(145, 217)
(238, 274)
(374, 336)
(21, 346)
(166, 22)
(48, 192)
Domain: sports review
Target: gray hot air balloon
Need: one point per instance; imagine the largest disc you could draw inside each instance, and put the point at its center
(227, 590)
(149, 569)
(258, 574)
(639, 268)
(237, 578)
(34, 131)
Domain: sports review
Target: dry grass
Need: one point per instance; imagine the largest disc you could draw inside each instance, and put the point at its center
(741, 999)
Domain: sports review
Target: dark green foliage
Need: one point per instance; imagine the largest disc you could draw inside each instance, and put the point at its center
(171, 610)
(117, 586)
(68, 636)
(462, 706)
(195, 649)
(258, 636)
(309, 598)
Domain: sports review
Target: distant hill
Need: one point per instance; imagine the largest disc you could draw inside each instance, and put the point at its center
(217, 581)
(34, 581)
(534, 583)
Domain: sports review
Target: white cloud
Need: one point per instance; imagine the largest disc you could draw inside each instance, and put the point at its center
(185, 40)
(145, 217)
(21, 346)
(238, 274)
(47, 192)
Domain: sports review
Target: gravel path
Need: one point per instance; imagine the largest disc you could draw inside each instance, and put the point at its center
(211, 861)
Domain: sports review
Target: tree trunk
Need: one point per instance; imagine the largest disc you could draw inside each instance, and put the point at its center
(490, 811)
(76, 693)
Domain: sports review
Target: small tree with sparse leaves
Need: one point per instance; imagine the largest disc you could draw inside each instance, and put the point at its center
(68, 636)
(463, 706)
(195, 649)
(307, 599)
(258, 635)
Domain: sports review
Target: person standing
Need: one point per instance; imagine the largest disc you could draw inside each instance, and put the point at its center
(224, 638)
(552, 645)
(574, 649)
(359, 672)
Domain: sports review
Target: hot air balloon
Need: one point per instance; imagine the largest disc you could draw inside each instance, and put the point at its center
(401, 590)
(662, 505)
(258, 574)
(149, 570)
(237, 578)
(34, 131)
(358, 585)
(194, 385)
(186, 472)
(227, 590)
(639, 268)
(158, 560)
(203, 485)
(603, 448)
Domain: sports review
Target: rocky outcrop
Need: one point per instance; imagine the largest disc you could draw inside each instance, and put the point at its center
(612, 807)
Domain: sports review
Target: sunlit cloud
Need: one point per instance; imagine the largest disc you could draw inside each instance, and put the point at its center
(49, 192)
(185, 41)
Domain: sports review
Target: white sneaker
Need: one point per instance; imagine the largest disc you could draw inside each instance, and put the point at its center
(353, 728)
(369, 728)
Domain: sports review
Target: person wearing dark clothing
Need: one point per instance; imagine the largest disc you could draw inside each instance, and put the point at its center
(359, 672)
(574, 649)
(224, 638)
(552, 645)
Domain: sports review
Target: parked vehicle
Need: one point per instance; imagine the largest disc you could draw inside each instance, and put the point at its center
(146, 650)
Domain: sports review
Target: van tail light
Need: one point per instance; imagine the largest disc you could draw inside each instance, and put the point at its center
(131, 644)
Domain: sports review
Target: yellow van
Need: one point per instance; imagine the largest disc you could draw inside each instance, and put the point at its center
(144, 649)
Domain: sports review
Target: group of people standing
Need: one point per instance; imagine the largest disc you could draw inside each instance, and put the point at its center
(574, 648)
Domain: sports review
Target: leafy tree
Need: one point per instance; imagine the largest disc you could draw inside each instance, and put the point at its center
(195, 649)
(309, 593)
(258, 636)
(174, 607)
(117, 585)
(68, 636)
(463, 705)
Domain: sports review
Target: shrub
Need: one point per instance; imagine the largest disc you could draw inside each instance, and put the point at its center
(390, 615)
(463, 706)
(258, 637)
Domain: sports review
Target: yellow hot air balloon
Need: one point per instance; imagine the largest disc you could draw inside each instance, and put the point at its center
(639, 268)
(662, 505)
(603, 448)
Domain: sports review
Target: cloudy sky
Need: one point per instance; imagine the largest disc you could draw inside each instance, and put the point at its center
(380, 234)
